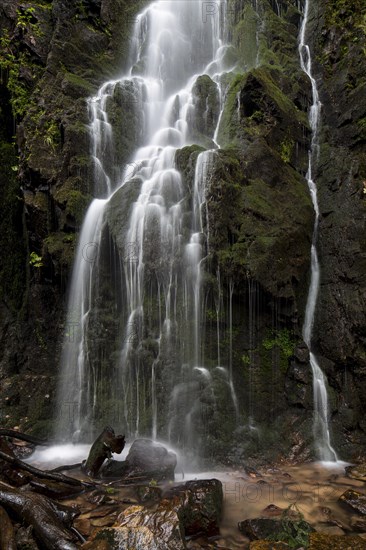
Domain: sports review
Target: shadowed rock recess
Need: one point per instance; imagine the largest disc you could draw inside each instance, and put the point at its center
(259, 222)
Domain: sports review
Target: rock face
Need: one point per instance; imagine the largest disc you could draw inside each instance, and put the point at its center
(340, 320)
(54, 55)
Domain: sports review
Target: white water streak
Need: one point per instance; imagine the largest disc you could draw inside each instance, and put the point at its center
(321, 410)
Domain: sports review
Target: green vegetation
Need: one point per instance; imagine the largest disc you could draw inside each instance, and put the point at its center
(287, 147)
(26, 20)
(35, 260)
(295, 530)
(281, 339)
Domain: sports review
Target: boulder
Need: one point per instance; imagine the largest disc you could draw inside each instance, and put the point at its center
(275, 529)
(198, 505)
(260, 528)
(145, 461)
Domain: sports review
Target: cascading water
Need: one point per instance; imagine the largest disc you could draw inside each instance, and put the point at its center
(322, 439)
(157, 371)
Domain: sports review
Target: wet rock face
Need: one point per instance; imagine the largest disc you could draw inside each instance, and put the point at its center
(206, 102)
(190, 509)
(61, 52)
(200, 506)
(341, 171)
(355, 500)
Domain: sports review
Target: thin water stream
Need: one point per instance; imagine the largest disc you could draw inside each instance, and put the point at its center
(321, 430)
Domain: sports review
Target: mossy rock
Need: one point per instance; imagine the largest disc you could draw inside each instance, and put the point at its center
(260, 226)
(118, 211)
(206, 102)
(61, 248)
(185, 162)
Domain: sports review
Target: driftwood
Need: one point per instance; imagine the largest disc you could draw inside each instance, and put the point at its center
(7, 536)
(55, 476)
(50, 520)
(102, 449)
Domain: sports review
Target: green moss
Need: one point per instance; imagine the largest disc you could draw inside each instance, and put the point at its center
(77, 204)
(82, 86)
(282, 339)
(245, 37)
(287, 147)
(61, 247)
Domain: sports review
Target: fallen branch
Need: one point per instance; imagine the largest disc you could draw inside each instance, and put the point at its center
(24, 437)
(48, 519)
(55, 489)
(42, 473)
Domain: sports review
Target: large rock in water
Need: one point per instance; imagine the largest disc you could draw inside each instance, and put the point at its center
(198, 505)
(269, 528)
(145, 461)
(187, 510)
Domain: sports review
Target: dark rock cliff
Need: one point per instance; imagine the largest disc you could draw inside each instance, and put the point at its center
(54, 56)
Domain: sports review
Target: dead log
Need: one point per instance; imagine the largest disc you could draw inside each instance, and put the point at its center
(42, 473)
(103, 447)
(48, 519)
(55, 489)
(7, 535)
(24, 437)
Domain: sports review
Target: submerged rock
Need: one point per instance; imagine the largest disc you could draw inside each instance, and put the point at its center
(357, 472)
(355, 500)
(260, 528)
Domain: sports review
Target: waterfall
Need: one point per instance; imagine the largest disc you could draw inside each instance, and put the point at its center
(158, 377)
(322, 438)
